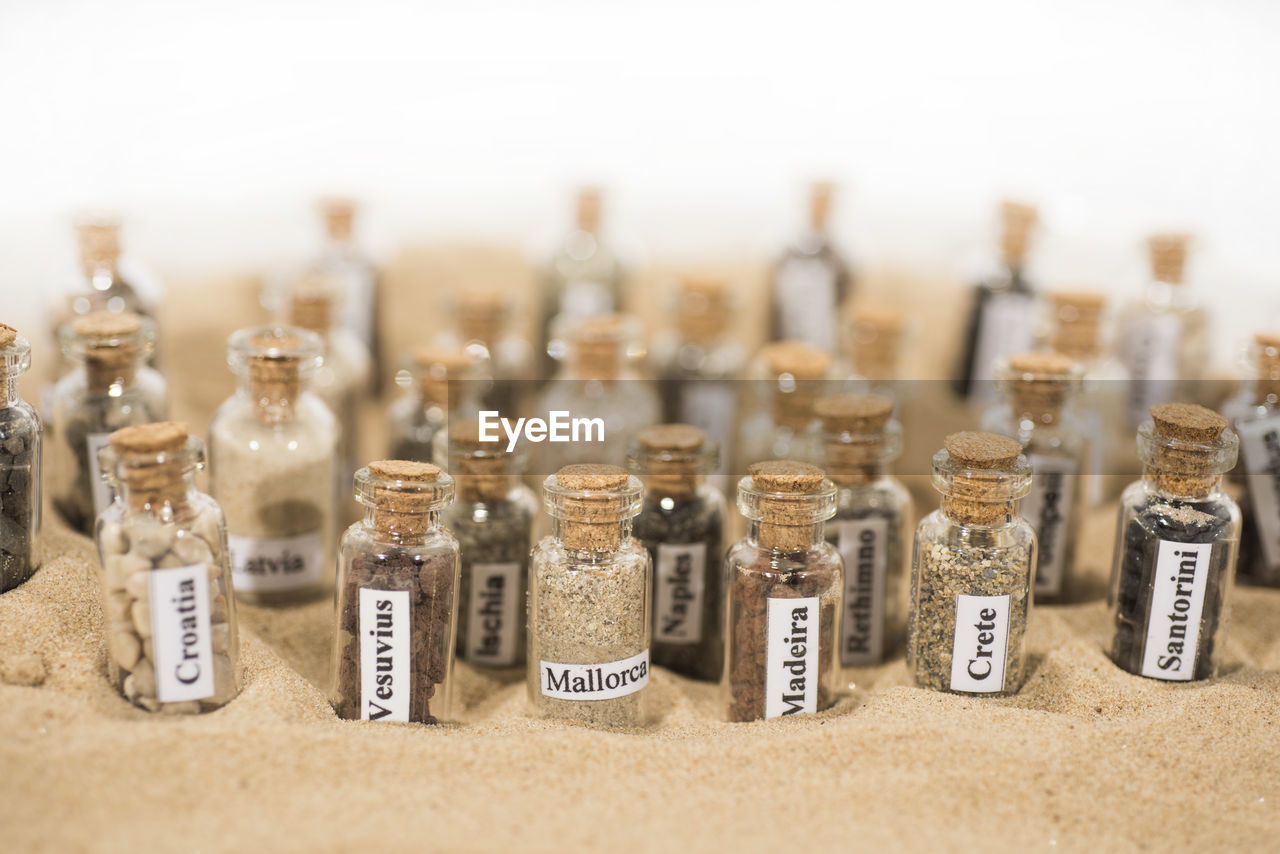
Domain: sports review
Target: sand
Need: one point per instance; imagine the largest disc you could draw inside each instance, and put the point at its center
(1086, 757)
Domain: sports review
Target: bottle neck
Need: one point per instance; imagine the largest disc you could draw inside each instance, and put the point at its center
(110, 368)
(274, 398)
(400, 527)
(1180, 484)
(9, 387)
(784, 538)
(971, 514)
(165, 491)
(598, 537)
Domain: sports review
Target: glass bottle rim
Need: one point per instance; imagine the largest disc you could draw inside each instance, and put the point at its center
(619, 504)
(75, 346)
(290, 343)
(1005, 484)
(888, 440)
(15, 360)
(701, 460)
(801, 508)
(190, 455)
(371, 491)
(1190, 458)
(1007, 378)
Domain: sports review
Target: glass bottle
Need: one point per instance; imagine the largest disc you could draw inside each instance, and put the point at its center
(682, 525)
(1255, 415)
(787, 379)
(1175, 555)
(422, 412)
(20, 438)
(583, 279)
(172, 641)
(589, 590)
(811, 282)
(273, 455)
(1164, 338)
(598, 381)
(873, 346)
(486, 334)
(700, 364)
(343, 380)
(860, 438)
(784, 595)
(1037, 410)
(344, 261)
(1002, 318)
(1075, 321)
(493, 521)
(971, 571)
(396, 602)
(111, 387)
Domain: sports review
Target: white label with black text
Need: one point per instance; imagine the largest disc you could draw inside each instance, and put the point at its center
(791, 656)
(386, 621)
(1006, 327)
(1177, 599)
(681, 578)
(1151, 355)
(269, 565)
(981, 644)
(1046, 508)
(806, 301)
(181, 635)
(492, 614)
(712, 407)
(863, 545)
(606, 681)
(1260, 453)
(101, 489)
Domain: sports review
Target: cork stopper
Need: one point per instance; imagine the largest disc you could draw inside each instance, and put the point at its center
(875, 337)
(1266, 354)
(99, 239)
(311, 305)
(8, 335)
(480, 316)
(702, 312)
(150, 461)
(673, 458)
(111, 343)
(788, 499)
(1186, 448)
(484, 469)
(588, 209)
(1017, 221)
(433, 368)
(599, 345)
(820, 194)
(402, 495)
(274, 360)
(339, 214)
(857, 439)
(1168, 256)
(593, 501)
(1076, 317)
(847, 413)
(796, 366)
(980, 475)
(1038, 383)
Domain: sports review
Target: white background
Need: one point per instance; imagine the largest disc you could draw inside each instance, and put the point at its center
(213, 126)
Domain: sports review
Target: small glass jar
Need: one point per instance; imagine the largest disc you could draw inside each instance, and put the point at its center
(873, 345)
(1175, 556)
(787, 379)
(784, 589)
(589, 589)
(422, 413)
(1255, 415)
(811, 281)
(860, 439)
(272, 453)
(493, 521)
(20, 432)
(172, 640)
(396, 598)
(682, 525)
(971, 571)
(110, 388)
(343, 259)
(502, 358)
(1039, 391)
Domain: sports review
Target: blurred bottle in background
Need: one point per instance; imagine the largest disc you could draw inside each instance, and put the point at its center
(1164, 337)
(700, 364)
(810, 282)
(485, 331)
(583, 279)
(344, 263)
(787, 379)
(873, 345)
(440, 383)
(1002, 319)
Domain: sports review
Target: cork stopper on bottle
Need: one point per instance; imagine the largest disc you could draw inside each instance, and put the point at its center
(588, 213)
(339, 214)
(311, 305)
(820, 194)
(434, 367)
(402, 494)
(99, 239)
(1168, 256)
(1076, 318)
(795, 367)
(594, 501)
(1017, 221)
(15, 355)
(480, 316)
(274, 361)
(151, 461)
(980, 476)
(788, 499)
(112, 343)
(856, 439)
(1186, 448)
(673, 458)
(598, 347)
(8, 335)
(875, 338)
(702, 311)
(1038, 383)
(1266, 387)
(483, 469)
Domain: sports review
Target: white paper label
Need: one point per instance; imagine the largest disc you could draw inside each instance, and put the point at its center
(492, 614)
(102, 494)
(181, 635)
(1260, 453)
(681, 579)
(713, 408)
(287, 563)
(1047, 508)
(981, 644)
(863, 545)
(386, 621)
(606, 681)
(791, 680)
(1177, 599)
(1006, 327)
(806, 301)
(1151, 352)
